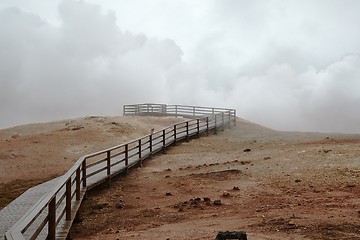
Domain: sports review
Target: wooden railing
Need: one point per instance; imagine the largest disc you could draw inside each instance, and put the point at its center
(52, 217)
(177, 110)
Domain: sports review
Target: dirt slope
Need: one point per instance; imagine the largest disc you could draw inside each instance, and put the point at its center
(285, 186)
(273, 185)
(34, 153)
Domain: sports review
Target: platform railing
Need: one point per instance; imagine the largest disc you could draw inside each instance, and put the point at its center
(51, 218)
(177, 110)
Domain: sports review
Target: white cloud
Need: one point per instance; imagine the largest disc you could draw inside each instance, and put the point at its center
(87, 65)
(288, 65)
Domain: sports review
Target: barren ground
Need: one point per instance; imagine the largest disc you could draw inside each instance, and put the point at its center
(34, 153)
(287, 185)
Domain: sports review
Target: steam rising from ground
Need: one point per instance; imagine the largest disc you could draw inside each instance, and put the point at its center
(88, 65)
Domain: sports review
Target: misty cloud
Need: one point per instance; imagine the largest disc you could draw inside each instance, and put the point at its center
(274, 65)
(87, 65)
(315, 100)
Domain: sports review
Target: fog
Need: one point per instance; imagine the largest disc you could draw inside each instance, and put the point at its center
(286, 65)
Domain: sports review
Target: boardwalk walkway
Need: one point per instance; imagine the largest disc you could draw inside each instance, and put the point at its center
(21, 205)
(47, 211)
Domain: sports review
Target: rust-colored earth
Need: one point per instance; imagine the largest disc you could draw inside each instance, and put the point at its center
(285, 185)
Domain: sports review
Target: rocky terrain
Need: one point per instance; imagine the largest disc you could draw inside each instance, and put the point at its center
(270, 184)
(34, 153)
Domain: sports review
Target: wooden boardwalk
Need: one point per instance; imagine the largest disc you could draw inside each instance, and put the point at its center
(21, 205)
(47, 211)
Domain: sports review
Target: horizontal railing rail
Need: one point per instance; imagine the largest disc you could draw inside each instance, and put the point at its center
(57, 209)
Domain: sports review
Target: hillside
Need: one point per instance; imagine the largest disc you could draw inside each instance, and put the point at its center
(285, 186)
(271, 184)
(34, 153)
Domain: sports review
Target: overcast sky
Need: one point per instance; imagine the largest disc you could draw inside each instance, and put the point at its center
(288, 65)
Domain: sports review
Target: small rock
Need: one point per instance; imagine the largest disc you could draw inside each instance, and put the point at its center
(206, 199)
(297, 180)
(15, 135)
(267, 158)
(226, 194)
(75, 128)
(236, 188)
(350, 185)
(291, 223)
(101, 206)
(247, 150)
(119, 205)
(245, 162)
(217, 202)
(168, 194)
(116, 123)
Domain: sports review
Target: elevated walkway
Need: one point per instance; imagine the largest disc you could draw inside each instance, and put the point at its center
(48, 210)
(21, 205)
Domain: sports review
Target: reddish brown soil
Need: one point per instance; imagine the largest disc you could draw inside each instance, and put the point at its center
(288, 186)
(34, 153)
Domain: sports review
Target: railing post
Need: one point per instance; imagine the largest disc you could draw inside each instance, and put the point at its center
(78, 184)
(150, 144)
(198, 127)
(108, 169)
(84, 173)
(140, 155)
(222, 121)
(207, 126)
(193, 111)
(176, 110)
(68, 199)
(234, 117)
(215, 128)
(52, 219)
(164, 109)
(175, 137)
(187, 130)
(163, 140)
(229, 119)
(127, 157)
(108, 163)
